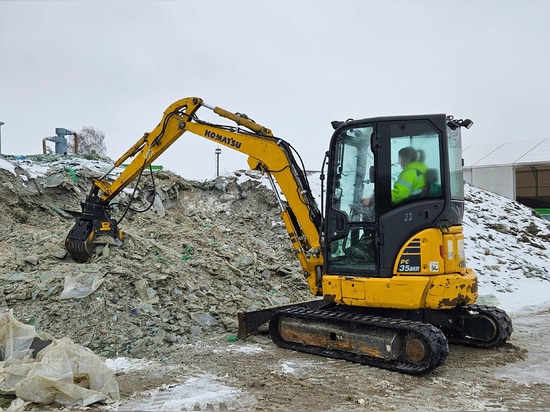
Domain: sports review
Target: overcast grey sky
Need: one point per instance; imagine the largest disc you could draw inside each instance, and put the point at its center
(290, 65)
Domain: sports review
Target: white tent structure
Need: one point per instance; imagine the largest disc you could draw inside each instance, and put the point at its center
(518, 170)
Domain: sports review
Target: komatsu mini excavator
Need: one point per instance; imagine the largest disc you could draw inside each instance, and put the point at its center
(390, 277)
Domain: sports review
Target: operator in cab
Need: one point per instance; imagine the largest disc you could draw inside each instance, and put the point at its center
(412, 179)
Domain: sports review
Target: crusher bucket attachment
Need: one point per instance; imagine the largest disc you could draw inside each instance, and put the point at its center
(94, 226)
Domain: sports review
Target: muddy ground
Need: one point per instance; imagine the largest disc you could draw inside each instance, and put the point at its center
(513, 377)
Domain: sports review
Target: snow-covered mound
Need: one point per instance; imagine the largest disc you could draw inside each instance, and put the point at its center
(508, 245)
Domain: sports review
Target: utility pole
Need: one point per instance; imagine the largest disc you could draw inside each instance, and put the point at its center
(1, 124)
(218, 152)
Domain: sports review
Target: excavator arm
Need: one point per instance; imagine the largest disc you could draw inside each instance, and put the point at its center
(271, 155)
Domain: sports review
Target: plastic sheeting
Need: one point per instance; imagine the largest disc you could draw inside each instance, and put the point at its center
(62, 372)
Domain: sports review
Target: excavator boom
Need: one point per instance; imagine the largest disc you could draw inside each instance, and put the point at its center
(266, 153)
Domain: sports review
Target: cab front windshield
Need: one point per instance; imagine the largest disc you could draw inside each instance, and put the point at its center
(353, 183)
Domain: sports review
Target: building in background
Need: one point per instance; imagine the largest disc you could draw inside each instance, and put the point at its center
(518, 170)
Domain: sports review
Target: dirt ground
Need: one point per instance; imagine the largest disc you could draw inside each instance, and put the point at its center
(512, 377)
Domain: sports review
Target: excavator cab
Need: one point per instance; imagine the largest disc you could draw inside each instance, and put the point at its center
(394, 212)
(366, 224)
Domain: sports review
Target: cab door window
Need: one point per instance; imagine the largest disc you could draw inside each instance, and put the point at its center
(415, 162)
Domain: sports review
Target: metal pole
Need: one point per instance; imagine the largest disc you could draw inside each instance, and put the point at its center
(1, 124)
(218, 151)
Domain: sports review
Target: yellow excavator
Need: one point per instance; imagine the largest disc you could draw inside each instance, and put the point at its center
(390, 278)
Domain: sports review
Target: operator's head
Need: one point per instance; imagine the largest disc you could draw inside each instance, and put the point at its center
(407, 155)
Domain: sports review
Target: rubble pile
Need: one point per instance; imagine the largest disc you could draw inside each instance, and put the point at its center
(197, 255)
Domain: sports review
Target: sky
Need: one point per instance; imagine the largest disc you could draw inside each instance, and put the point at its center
(291, 65)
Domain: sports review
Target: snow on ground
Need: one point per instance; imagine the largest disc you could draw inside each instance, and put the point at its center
(195, 392)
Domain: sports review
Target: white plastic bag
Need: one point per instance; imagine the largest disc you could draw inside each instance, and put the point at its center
(63, 371)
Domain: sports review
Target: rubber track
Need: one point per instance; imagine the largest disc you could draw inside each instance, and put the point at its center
(434, 337)
(499, 316)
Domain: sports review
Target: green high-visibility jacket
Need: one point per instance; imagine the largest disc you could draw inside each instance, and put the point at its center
(411, 182)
